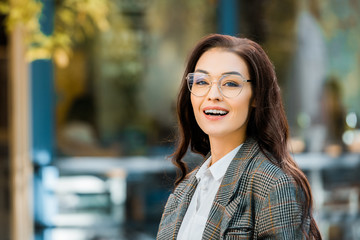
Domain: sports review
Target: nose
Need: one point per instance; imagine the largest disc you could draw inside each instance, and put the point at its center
(214, 92)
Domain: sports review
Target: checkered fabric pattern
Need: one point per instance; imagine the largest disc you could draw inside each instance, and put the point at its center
(256, 200)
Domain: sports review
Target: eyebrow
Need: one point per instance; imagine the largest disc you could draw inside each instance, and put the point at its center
(231, 72)
(202, 71)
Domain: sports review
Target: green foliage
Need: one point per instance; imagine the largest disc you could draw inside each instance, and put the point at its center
(75, 20)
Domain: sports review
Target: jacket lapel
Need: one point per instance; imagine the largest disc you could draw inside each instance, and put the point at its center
(222, 206)
(235, 170)
(183, 197)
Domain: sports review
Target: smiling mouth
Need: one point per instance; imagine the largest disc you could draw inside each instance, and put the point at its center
(215, 112)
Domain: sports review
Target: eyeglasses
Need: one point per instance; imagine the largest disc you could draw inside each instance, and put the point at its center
(230, 85)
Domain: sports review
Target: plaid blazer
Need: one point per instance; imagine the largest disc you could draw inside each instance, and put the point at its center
(256, 200)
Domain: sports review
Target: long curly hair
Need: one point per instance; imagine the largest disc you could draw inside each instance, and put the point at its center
(267, 122)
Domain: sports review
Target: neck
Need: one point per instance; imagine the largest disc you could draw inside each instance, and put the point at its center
(220, 147)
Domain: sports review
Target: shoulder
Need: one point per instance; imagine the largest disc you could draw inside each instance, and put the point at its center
(280, 201)
(186, 182)
(265, 176)
(259, 164)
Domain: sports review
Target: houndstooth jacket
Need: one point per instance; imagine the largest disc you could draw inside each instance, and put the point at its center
(256, 200)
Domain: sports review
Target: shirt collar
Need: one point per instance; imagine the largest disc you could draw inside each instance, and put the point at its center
(218, 169)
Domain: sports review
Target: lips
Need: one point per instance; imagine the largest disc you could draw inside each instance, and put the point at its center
(215, 111)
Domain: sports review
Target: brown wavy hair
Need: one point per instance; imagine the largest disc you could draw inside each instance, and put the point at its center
(267, 122)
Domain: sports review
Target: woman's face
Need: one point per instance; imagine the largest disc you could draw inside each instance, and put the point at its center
(219, 116)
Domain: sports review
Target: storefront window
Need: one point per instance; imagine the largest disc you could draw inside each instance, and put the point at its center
(116, 97)
(313, 45)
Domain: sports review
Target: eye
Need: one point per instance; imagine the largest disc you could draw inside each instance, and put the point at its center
(230, 83)
(201, 80)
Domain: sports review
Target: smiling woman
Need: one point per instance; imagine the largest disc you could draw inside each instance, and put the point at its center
(232, 98)
(248, 187)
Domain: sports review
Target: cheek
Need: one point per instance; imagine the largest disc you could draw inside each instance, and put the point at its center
(241, 109)
(195, 103)
(241, 113)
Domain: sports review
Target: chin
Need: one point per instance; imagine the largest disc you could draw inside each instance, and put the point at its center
(216, 133)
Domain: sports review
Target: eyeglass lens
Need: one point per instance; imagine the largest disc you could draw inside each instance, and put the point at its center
(229, 85)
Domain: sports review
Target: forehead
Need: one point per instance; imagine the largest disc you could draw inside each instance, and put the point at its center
(217, 61)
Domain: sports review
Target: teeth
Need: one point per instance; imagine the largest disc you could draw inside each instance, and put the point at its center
(215, 111)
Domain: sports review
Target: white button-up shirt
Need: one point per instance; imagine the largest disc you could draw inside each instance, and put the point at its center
(209, 178)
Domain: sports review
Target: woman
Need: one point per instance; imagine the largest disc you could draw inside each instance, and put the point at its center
(249, 187)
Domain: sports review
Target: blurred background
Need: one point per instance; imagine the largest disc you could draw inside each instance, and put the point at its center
(88, 90)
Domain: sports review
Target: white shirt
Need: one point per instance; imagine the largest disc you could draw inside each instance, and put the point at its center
(209, 178)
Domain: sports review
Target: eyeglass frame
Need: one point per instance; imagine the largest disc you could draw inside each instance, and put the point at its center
(217, 82)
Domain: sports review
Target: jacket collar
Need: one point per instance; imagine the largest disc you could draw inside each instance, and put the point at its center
(236, 170)
(232, 175)
(184, 192)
